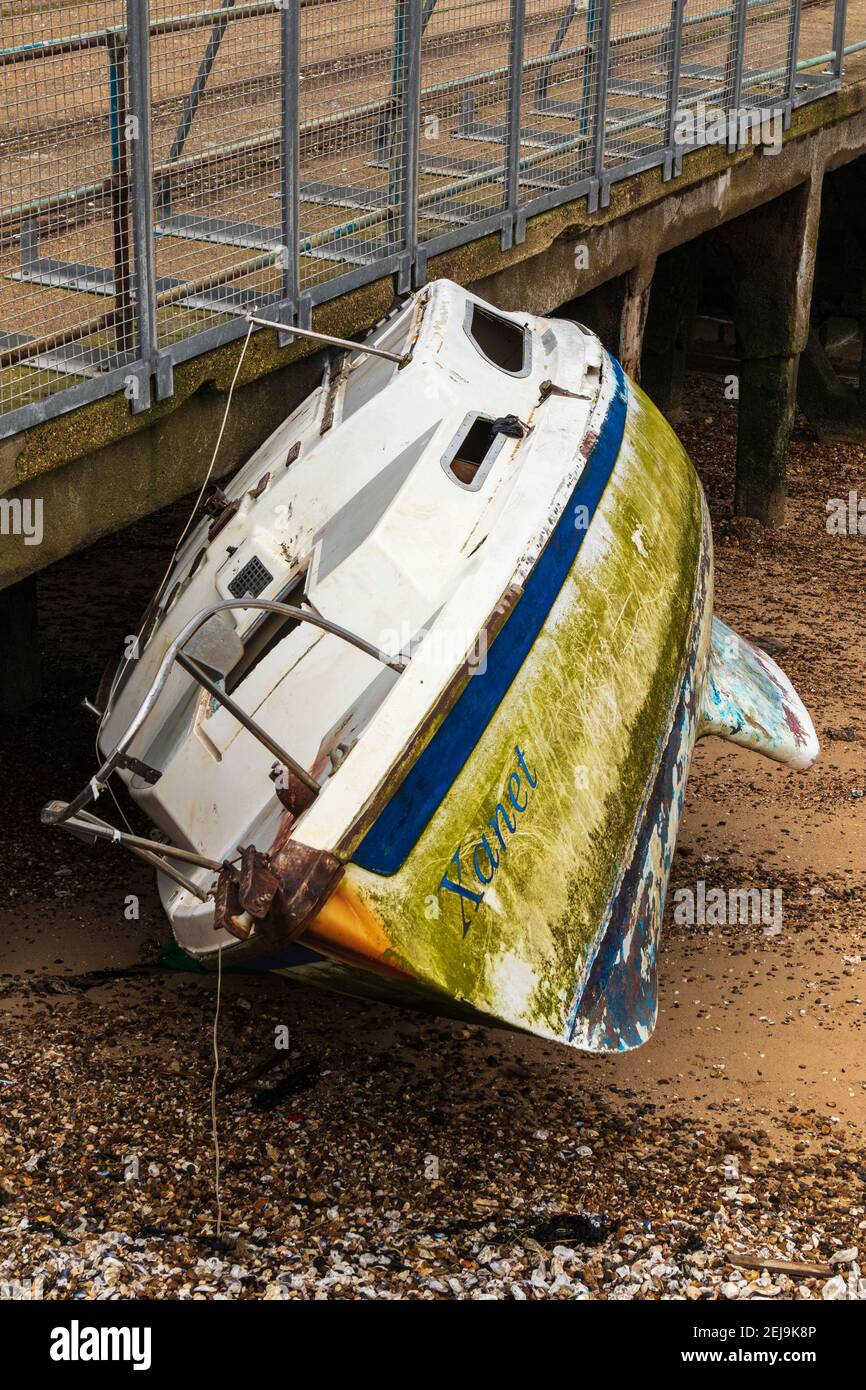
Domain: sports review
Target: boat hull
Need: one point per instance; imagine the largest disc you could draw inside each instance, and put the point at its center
(520, 875)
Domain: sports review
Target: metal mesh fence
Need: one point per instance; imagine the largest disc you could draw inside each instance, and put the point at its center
(816, 29)
(637, 84)
(707, 75)
(560, 97)
(64, 209)
(465, 108)
(216, 151)
(765, 57)
(815, 38)
(354, 120)
(164, 167)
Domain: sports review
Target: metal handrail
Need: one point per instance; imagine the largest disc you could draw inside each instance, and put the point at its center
(56, 813)
(173, 24)
(380, 238)
(90, 827)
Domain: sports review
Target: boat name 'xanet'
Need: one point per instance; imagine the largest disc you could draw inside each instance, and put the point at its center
(486, 856)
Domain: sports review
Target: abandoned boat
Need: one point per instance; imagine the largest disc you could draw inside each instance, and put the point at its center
(414, 711)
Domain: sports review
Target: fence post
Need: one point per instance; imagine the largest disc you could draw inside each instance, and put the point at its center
(735, 65)
(839, 24)
(673, 154)
(600, 193)
(137, 132)
(403, 180)
(736, 59)
(120, 227)
(511, 229)
(793, 50)
(290, 45)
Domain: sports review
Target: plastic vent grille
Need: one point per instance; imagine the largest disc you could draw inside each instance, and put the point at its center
(251, 580)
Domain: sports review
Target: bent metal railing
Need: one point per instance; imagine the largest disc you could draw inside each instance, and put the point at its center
(73, 816)
(163, 174)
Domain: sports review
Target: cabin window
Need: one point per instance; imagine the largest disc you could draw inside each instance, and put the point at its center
(471, 453)
(502, 342)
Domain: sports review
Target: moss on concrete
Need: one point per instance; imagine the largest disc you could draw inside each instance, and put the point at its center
(92, 427)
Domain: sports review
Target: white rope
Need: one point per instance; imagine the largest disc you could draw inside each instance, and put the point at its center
(185, 532)
(174, 555)
(216, 449)
(213, 1092)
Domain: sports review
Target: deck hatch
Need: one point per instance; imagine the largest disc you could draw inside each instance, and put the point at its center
(471, 453)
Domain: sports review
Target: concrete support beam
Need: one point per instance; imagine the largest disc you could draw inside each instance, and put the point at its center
(670, 324)
(768, 388)
(639, 283)
(837, 412)
(772, 257)
(20, 680)
(617, 311)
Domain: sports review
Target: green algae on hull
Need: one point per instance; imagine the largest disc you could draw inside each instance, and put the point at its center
(588, 710)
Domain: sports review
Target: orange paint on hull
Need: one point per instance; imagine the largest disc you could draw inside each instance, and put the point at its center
(348, 924)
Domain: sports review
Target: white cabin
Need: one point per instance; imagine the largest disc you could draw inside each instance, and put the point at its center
(391, 503)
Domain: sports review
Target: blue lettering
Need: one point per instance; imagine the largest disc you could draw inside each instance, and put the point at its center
(461, 891)
(513, 789)
(486, 868)
(492, 860)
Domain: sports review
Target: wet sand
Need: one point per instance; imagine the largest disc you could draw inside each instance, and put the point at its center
(391, 1156)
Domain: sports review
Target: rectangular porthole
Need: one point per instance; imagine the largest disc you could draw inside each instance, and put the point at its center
(470, 455)
(502, 342)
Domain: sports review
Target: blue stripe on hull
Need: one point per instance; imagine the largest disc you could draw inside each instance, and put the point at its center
(400, 824)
